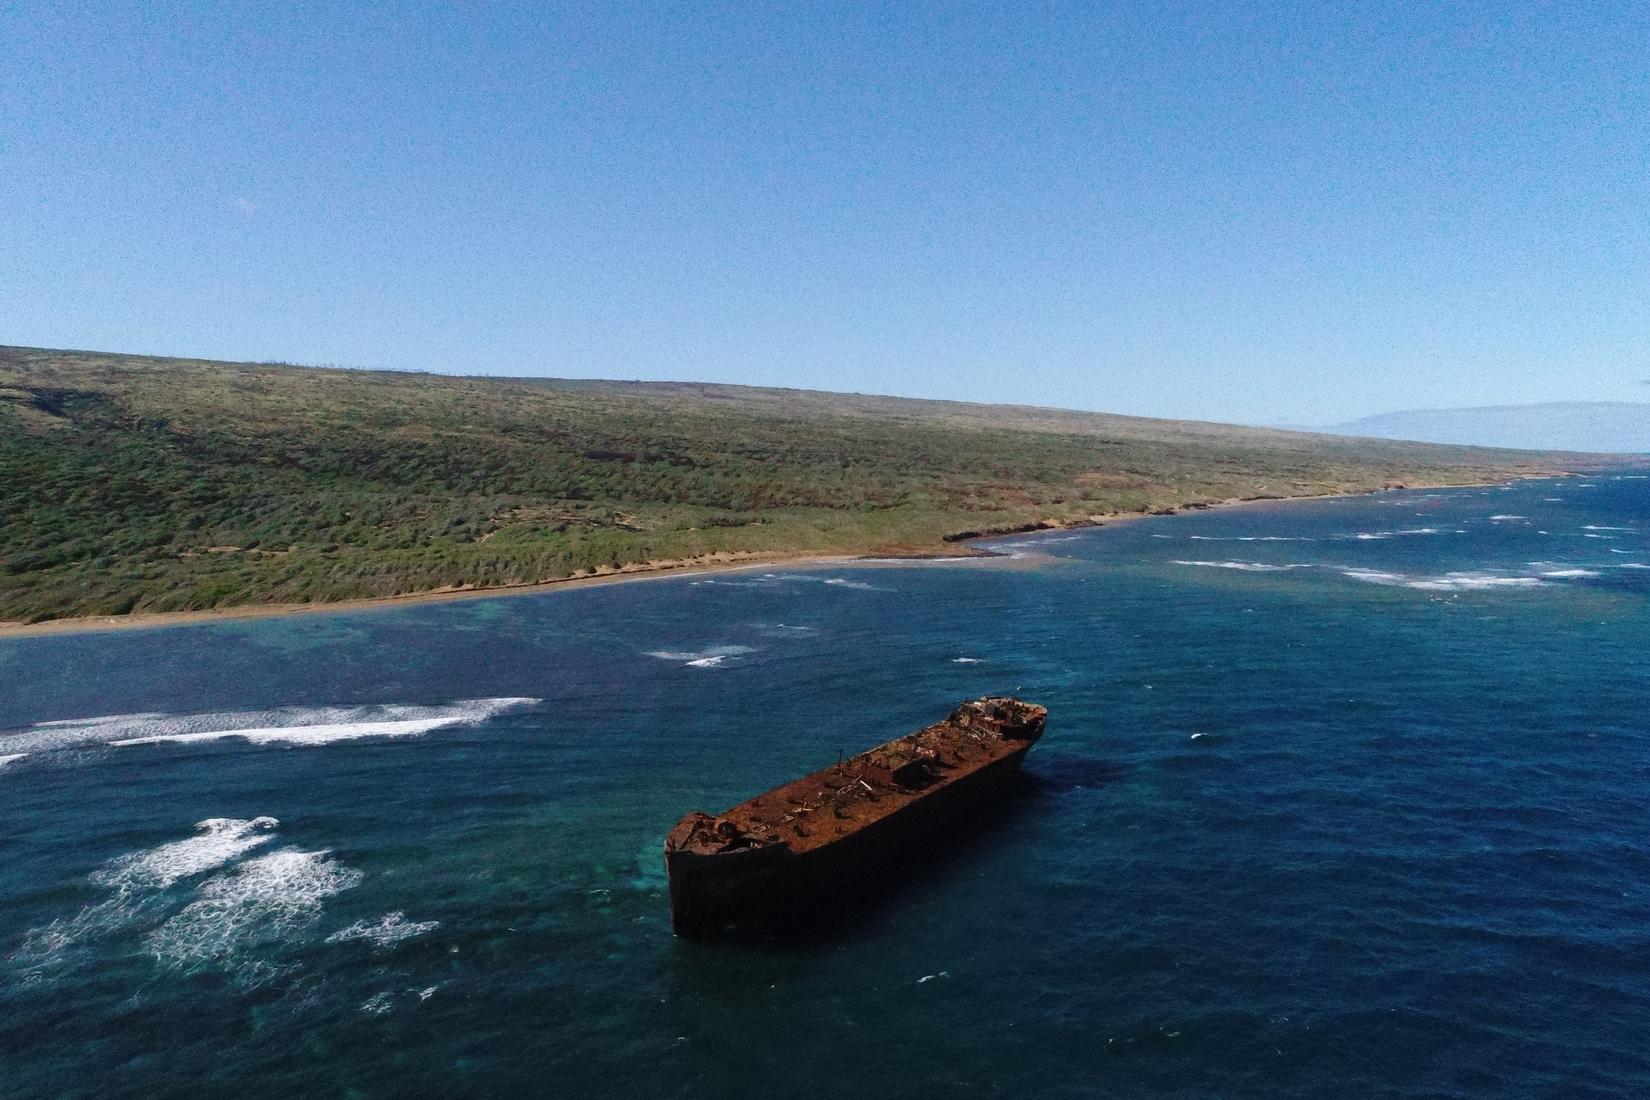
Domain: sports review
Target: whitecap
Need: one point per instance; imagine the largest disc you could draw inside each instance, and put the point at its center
(140, 880)
(1245, 566)
(1366, 536)
(285, 725)
(223, 839)
(12, 759)
(1568, 573)
(1450, 582)
(377, 1004)
(388, 930)
(938, 560)
(269, 899)
(965, 660)
(1373, 576)
(710, 657)
(1473, 581)
(1506, 519)
(1598, 527)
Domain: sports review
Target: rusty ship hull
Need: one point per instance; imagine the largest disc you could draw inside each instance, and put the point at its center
(802, 848)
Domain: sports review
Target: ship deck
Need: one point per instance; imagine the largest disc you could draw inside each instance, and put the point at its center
(837, 801)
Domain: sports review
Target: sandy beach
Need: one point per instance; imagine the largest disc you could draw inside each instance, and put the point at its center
(643, 571)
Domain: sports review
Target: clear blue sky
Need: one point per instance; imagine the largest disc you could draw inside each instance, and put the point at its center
(1297, 213)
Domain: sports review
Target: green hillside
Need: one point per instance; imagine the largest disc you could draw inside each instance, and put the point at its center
(130, 483)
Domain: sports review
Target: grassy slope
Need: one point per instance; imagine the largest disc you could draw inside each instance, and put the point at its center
(141, 484)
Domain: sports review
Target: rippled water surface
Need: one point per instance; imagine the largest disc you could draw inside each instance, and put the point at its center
(1338, 798)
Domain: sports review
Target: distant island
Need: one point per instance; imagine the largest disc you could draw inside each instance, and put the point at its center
(133, 484)
(1616, 427)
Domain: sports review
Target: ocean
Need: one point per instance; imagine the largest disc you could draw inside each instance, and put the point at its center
(1338, 798)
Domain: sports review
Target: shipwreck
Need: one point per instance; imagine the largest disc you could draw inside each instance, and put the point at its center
(784, 855)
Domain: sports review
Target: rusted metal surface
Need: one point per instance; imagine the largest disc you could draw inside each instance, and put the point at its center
(780, 847)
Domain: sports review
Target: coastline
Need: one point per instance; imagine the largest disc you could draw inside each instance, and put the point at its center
(965, 544)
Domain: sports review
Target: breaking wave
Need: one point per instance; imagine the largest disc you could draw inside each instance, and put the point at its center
(1365, 536)
(1468, 581)
(1543, 574)
(387, 931)
(769, 580)
(245, 910)
(1245, 566)
(222, 840)
(270, 898)
(1245, 538)
(712, 657)
(139, 882)
(282, 726)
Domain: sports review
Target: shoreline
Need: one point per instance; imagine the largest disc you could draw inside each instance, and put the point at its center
(965, 543)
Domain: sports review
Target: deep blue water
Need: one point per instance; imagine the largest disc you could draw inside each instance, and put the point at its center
(1371, 822)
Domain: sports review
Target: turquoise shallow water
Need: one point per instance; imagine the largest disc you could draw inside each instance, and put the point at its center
(1338, 798)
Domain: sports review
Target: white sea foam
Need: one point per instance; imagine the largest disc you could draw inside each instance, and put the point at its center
(1472, 581)
(702, 658)
(12, 759)
(768, 580)
(286, 725)
(139, 881)
(1598, 527)
(267, 899)
(222, 839)
(1245, 538)
(1633, 565)
(940, 560)
(1506, 519)
(1374, 576)
(1566, 573)
(1467, 581)
(1245, 566)
(965, 660)
(388, 930)
(1367, 536)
